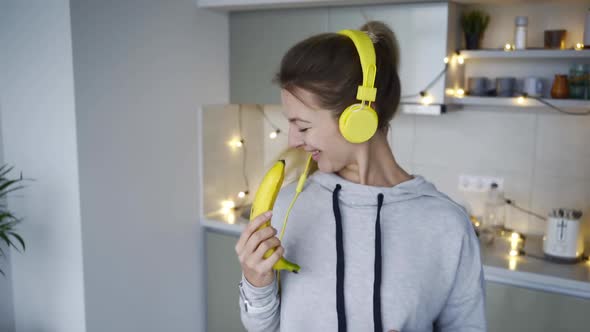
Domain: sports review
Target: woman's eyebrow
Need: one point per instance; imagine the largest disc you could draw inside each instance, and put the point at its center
(298, 119)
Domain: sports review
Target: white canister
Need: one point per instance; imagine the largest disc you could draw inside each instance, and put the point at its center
(520, 32)
(563, 236)
(533, 86)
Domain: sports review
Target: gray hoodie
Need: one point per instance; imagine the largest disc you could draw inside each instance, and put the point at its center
(402, 258)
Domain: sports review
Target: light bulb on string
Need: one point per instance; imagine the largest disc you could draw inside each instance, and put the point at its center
(446, 60)
(227, 206)
(236, 142)
(460, 58)
(243, 194)
(509, 47)
(274, 134)
(579, 46)
(460, 93)
(425, 98)
(520, 100)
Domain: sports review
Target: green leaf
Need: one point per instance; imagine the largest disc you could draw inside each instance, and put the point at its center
(5, 170)
(20, 239)
(6, 239)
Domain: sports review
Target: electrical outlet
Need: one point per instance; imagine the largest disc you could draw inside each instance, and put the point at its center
(478, 183)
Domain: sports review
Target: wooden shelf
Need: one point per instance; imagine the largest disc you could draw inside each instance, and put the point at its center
(573, 105)
(526, 54)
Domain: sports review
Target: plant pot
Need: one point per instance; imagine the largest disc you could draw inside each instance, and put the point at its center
(472, 41)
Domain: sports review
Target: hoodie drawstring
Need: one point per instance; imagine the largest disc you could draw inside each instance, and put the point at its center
(339, 263)
(340, 309)
(377, 283)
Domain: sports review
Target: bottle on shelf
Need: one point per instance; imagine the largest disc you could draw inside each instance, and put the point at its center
(494, 218)
(520, 32)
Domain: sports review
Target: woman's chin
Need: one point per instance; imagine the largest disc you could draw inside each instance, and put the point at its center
(325, 167)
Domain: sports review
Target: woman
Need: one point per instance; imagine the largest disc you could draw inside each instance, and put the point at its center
(379, 249)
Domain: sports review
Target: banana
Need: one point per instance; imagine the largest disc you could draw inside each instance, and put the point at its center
(264, 200)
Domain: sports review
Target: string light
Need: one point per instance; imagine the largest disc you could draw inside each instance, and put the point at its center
(425, 98)
(516, 244)
(509, 47)
(274, 134)
(521, 99)
(460, 93)
(236, 143)
(227, 206)
(276, 131)
(579, 46)
(460, 58)
(512, 260)
(446, 60)
(243, 194)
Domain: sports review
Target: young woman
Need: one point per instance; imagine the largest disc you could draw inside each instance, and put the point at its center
(379, 249)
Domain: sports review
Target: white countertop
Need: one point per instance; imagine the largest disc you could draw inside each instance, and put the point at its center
(522, 271)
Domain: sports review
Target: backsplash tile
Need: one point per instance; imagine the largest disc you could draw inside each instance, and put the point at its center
(476, 139)
(563, 145)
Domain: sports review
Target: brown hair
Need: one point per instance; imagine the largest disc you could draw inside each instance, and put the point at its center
(328, 66)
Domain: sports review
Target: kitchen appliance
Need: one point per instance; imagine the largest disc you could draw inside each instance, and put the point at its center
(563, 240)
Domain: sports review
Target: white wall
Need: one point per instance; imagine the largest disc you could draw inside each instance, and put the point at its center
(39, 137)
(6, 305)
(129, 213)
(141, 70)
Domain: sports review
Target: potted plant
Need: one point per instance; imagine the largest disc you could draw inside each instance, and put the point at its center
(474, 24)
(8, 221)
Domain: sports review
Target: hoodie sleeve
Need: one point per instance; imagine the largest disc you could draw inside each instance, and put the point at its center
(464, 310)
(259, 307)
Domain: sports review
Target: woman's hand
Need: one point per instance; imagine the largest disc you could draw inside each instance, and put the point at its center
(252, 245)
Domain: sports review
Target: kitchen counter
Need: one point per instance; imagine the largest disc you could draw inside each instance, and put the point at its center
(527, 271)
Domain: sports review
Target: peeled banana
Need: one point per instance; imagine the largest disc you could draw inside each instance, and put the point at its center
(264, 200)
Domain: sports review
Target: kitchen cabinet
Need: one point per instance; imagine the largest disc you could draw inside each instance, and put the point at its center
(259, 39)
(223, 275)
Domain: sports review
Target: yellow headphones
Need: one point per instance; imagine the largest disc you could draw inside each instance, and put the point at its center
(358, 123)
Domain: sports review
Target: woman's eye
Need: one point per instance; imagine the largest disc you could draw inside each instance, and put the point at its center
(302, 130)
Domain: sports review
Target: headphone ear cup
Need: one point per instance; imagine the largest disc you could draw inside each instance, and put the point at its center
(358, 123)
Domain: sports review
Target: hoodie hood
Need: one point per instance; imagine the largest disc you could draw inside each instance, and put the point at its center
(355, 194)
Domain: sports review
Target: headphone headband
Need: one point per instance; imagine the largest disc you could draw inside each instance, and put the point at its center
(364, 45)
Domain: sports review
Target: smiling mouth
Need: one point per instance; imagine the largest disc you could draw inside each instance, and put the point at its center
(315, 154)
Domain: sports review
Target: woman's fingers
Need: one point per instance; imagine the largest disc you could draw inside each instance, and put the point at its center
(268, 263)
(265, 246)
(250, 229)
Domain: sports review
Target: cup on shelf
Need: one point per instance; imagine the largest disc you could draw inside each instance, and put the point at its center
(532, 86)
(477, 86)
(555, 39)
(505, 86)
(560, 89)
